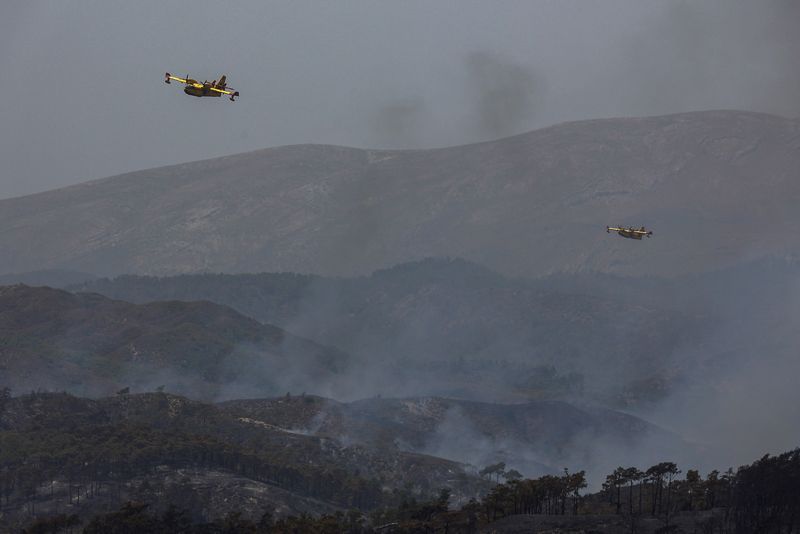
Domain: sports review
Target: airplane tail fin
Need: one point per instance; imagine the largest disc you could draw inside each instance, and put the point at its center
(221, 83)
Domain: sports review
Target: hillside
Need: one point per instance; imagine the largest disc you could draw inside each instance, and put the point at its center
(89, 344)
(67, 461)
(94, 455)
(453, 328)
(535, 437)
(532, 204)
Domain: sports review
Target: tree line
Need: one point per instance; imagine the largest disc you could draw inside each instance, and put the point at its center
(763, 497)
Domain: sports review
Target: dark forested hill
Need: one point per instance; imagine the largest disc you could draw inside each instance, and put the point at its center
(160, 463)
(717, 187)
(63, 454)
(90, 344)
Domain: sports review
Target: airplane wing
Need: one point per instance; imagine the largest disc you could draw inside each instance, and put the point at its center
(231, 92)
(187, 81)
(168, 77)
(646, 233)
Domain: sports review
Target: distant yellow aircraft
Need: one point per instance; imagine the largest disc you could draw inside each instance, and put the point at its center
(630, 232)
(195, 88)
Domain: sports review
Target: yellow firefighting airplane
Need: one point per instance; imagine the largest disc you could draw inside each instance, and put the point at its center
(630, 232)
(195, 88)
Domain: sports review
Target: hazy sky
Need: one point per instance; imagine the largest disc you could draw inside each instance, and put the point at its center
(84, 95)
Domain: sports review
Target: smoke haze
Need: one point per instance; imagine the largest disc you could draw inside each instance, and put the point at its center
(85, 97)
(741, 401)
(505, 93)
(85, 100)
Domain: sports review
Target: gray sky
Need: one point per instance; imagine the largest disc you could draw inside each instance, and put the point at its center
(84, 96)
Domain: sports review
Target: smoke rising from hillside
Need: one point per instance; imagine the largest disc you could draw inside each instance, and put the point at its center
(741, 398)
(734, 397)
(505, 94)
(399, 123)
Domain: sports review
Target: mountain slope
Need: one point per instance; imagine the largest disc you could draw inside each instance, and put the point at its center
(535, 437)
(449, 327)
(93, 345)
(94, 455)
(531, 204)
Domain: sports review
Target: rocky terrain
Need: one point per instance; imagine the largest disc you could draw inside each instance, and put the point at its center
(717, 187)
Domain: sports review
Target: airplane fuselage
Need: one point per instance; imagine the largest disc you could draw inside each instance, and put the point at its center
(629, 235)
(195, 88)
(200, 91)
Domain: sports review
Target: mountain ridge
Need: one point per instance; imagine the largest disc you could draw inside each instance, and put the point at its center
(345, 211)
